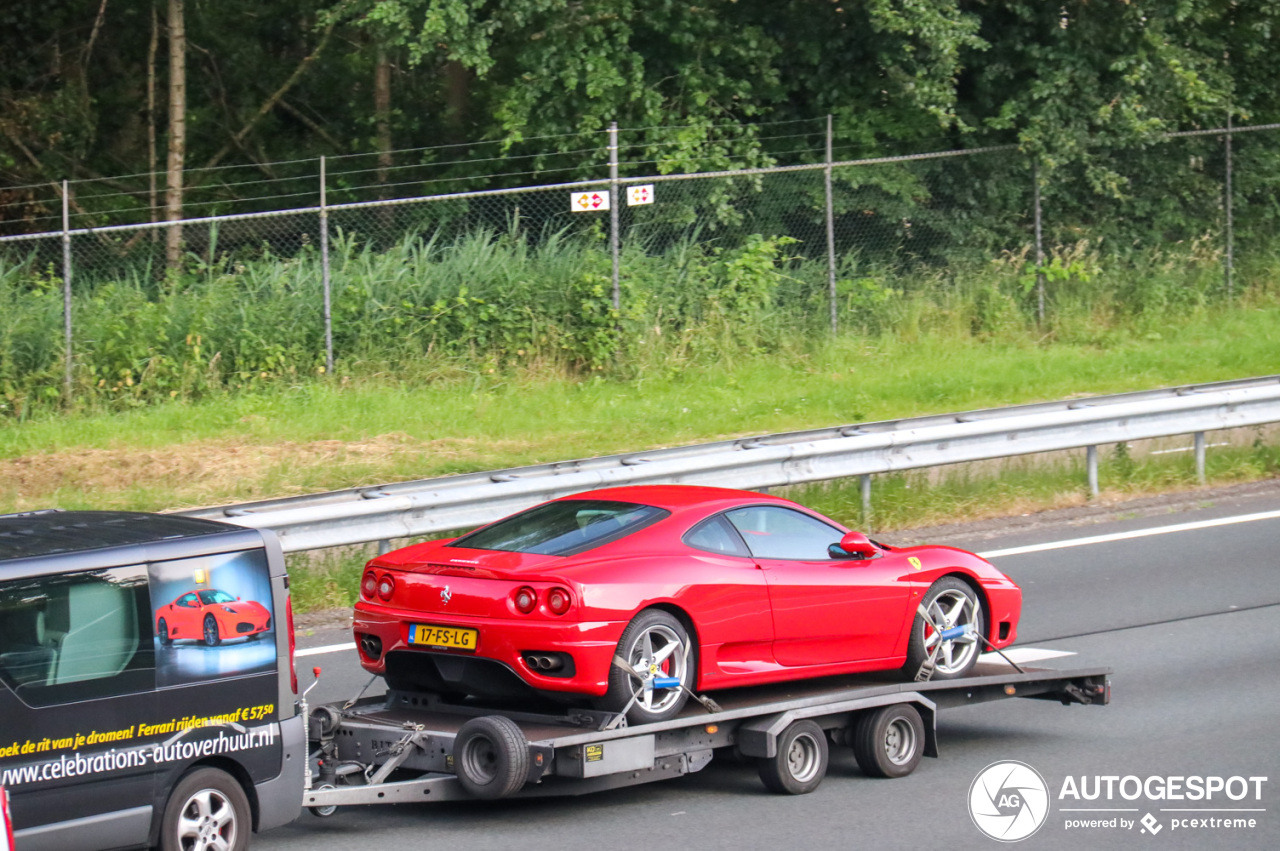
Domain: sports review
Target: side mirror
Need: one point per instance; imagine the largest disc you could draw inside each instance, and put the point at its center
(858, 544)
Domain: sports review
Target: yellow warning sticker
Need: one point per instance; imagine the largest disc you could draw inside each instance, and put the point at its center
(595, 753)
(915, 562)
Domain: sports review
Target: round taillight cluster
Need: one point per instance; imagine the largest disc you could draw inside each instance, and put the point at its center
(557, 600)
(381, 587)
(526, 600)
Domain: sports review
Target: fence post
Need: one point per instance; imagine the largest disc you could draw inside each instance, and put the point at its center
(1035, 184)
(1231, 237)
(831, 235)
(66, 291)
(614, 203)
(324, 275)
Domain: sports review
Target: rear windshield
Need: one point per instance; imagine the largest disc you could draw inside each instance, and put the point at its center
(563, 528)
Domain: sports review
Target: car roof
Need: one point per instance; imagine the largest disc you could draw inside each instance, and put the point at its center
(675, 497)
(52, 532)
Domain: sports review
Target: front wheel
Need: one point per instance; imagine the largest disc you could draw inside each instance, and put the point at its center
(658, 654)
(951, 605)
(208, 811)
(211, 637)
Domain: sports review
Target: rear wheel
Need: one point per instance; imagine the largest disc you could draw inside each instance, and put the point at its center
(801, 761)
(951, 604)
(208, 811)
(889, 741)
(656, 649)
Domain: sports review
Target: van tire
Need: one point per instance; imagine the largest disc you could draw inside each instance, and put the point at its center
(207, 809)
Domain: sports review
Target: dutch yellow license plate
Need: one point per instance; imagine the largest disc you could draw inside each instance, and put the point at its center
(443, 636)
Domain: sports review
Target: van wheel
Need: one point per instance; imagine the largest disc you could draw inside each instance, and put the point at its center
(163, 629)
(211, 637)
(208, 811)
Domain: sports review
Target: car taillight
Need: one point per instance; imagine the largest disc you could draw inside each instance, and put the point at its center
(526, 600)
(559, 601)
(386, 587)
(293, 644)
(369, 585)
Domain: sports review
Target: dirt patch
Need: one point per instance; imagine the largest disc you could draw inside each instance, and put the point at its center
(206, 472)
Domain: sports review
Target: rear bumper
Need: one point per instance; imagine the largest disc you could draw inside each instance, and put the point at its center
(502, 641)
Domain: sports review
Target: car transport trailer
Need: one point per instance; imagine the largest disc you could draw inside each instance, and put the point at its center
(411, 747)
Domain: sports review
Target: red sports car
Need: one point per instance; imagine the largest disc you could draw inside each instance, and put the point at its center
(630, 596)
(210, 615)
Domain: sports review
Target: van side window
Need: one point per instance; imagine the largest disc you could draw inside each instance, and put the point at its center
(77, 636)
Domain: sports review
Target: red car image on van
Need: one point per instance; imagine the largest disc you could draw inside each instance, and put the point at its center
(210, 616)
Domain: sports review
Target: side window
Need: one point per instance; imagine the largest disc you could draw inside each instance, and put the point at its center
(715, 535)
(78, 636)
(775, 532)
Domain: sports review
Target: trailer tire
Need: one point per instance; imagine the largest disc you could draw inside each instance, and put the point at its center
(491, 757)
(800, 763)
(207, 809)
(889, 741)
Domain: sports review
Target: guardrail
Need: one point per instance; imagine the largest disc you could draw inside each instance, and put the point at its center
(408, 509)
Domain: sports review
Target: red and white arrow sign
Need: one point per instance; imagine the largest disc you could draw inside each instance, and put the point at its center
(639, 195)
(588, 202)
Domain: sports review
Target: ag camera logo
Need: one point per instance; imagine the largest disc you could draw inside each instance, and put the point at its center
(1008, 801)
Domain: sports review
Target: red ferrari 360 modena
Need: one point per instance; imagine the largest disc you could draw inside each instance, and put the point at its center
(630, 596)
(210, 615)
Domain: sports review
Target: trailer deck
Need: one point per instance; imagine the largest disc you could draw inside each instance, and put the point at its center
(415, 747)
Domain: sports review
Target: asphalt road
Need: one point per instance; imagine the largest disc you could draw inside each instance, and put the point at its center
(1189, 620)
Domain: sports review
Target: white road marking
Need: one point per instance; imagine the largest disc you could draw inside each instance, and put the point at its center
(1025, 654)
(1137, 533)
(332, 648)
(1011, 551)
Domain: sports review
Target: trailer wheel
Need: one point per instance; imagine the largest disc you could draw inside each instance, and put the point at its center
(328, 809)
(491, 757)
(207, 810)
(801, 761)
(889, 741)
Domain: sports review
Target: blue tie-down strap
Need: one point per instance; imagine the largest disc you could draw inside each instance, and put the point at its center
(666, 682)
(956, 632)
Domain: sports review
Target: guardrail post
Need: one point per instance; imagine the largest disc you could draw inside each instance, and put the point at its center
(865, 487)
(384, 547)
(1091, 461)
(1200, 457)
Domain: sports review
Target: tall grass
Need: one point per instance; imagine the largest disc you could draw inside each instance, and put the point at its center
(492, 302)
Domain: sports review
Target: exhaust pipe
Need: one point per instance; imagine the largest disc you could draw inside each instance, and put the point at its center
(543, 662)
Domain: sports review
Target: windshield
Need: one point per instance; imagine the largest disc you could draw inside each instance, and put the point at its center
(215, 596)
(563, 528)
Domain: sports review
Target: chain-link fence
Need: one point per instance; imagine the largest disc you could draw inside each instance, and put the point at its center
(496, 273)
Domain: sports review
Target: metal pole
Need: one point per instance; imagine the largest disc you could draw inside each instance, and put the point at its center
(66, 291)
(831, 236)
(1091, 461)
(1200, 457)
(324, 275)
(1230, 260)
(865, 487)
(614, 203)
(1035, 183)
